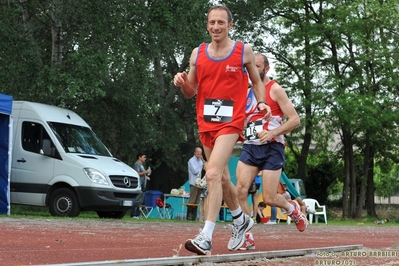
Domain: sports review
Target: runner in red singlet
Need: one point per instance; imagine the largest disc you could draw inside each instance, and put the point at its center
(218, 75)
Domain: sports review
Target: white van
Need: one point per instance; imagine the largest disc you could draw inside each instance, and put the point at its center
(59, 162)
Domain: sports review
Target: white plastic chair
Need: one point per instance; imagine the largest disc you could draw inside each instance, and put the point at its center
(320, 209)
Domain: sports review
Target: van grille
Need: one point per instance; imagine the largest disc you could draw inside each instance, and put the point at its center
(122, 181)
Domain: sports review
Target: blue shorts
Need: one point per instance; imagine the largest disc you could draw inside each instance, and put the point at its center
(266, 157)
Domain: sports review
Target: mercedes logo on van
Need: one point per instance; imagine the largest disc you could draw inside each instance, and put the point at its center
(127, 182)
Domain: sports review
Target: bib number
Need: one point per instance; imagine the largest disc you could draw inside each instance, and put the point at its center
(252, 129)
(216, 110)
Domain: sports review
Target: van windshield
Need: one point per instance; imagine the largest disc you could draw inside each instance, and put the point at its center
(78, 139)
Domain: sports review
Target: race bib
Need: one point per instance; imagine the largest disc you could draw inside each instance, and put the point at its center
(216, 110)
(252, 129)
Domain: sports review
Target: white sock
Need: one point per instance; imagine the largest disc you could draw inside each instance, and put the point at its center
(238, 216)
(291, 209)
(208, 229)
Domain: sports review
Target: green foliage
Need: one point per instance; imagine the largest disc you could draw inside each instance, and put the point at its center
(113, 62)
(291, 164)
(322, 173)
(387, 180)
(115, 69)
(337, 61)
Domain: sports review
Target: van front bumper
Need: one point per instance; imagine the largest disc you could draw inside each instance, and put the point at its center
(97, 199)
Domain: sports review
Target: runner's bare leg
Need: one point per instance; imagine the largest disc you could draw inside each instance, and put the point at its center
(217, 171)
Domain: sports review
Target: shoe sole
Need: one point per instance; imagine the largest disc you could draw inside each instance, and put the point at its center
(251, 223)
(193, 248)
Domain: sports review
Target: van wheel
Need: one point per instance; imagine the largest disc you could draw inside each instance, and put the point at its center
(111, 214)
(63, 202)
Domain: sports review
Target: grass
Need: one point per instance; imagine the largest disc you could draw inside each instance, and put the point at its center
(358, 222)
(19, 211)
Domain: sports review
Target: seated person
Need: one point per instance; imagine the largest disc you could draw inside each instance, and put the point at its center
(260, 214)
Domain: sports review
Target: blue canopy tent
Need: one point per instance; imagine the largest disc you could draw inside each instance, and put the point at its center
(5, 152)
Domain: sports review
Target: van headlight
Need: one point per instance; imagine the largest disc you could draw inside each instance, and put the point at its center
(95, 176)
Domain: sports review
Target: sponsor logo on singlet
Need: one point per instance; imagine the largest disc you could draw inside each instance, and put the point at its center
(232, 68)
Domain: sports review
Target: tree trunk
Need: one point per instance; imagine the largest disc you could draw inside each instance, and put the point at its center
(303, 157)
(56, 54)
(29, 32)
(362, 196)
(364, 178)
(308, 106)
(353, 191)
(345, 193)
(349, 193)
(370, 204)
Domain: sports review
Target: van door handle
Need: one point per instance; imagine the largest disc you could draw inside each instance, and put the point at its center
(22, 160)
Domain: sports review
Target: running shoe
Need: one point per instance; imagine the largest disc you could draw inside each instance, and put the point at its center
(200, 244)
(238, 233)
(249, 243)
(298, 217)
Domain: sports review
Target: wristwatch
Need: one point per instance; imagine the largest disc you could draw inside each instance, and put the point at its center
(257, 106)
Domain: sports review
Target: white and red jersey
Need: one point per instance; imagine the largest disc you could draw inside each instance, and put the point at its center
(254, 121)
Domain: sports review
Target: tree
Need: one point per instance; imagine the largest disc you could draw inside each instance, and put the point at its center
(113, 62)
(110, 61)
(332, 64)
(387, 182)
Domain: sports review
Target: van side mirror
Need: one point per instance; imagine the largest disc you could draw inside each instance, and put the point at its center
(46, 148)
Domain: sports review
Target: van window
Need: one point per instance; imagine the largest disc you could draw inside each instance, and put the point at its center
(32, 134)
(78, 139)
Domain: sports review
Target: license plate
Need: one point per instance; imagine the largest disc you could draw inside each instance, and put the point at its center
(127, 203)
